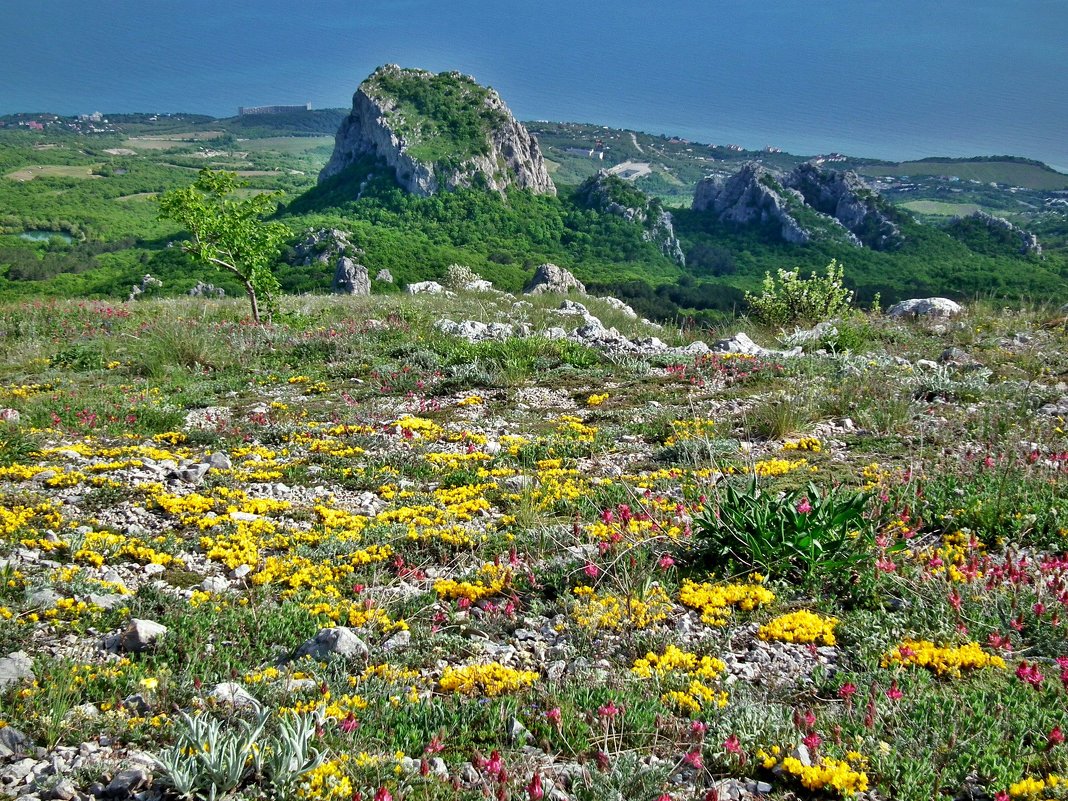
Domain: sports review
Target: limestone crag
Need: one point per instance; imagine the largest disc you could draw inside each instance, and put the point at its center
(843, 195)
(381, 127)
(323, 246)
(807, 204)
(351, 278)
(753, 195)
(999, 226)
(612, 195)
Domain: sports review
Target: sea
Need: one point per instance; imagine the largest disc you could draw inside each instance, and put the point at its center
(890, 79)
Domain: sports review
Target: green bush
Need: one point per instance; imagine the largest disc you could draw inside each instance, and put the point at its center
(791, 299)
(800, 534)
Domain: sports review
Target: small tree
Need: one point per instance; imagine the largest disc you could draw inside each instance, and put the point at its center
(230, 232)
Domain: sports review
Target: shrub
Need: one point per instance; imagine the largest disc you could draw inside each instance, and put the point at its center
(791, 299)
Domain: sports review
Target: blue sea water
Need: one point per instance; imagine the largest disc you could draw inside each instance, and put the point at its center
(883, 78)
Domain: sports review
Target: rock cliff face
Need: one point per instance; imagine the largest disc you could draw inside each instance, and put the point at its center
(807, 204)
(613, 195)
(752, 195)
(438, 132)
(844, 196)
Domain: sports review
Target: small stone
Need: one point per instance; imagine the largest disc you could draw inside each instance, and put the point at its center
(64, 790)
(340, 641)
(240, 572)
(127, 782)
(233, 694)
(15, 668)
(518, 734)
(193, 474)
(153, 569)
(13, 742)
(398, 641)
(42, 599)
(215, 584)
(219, 461)
(140, 635)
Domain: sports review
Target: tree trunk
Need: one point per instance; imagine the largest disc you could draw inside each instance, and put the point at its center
(252, 301)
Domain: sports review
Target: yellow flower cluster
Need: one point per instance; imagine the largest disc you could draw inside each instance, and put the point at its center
(492, 679)
(943, 660)
(636, 529)
(674, 663)
(696, 698)
(801, 626)
(596, 400)
(327, 782)
(810, 444)
(843, 776)
(470, 400)
(492, 581)
(674, 659)
(1029, 787)
(608, 611)
(772, 468)
(716, 601)
(686, 430)
(419, 428)
(571, 427)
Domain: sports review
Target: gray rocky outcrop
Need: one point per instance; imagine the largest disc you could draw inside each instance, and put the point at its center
(203, 289)
(835, 205)
(753, 195)
(1027, 242)
(323, 246)
(378, 128)
(612, 195)
(148, 283)
(351, 278)
(925, 307)
(843, 195)
(553, 278)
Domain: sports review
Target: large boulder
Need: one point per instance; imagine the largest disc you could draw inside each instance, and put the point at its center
(553, 278)
(925, 307)
(438, 132)
(351, 278)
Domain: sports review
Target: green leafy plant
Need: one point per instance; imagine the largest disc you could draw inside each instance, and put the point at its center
(791, 299)
(798, 534)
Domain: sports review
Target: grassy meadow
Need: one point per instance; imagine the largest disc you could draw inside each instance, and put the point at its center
(561, 573)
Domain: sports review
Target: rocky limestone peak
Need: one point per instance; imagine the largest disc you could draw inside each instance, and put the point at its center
(754, 194)
(1002, 229)
(438, 132)
(843, 195)
(612, 195)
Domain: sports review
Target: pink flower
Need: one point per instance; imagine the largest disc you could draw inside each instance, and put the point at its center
(383, 794)
(349, 724)
(1055, 737)
(698, 729)
(804, 507)
(894, 694)
(534, 789)
(1030, 674)
(609, 711)
(693, 759)
(812, 741)
(554, 716)
(591, 570)
(847, 691)
(733, 745)
(665, 561)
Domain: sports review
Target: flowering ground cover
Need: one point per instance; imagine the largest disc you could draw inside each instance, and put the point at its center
(342, 555)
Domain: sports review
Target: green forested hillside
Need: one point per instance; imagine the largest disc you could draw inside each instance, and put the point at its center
(98, 191)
